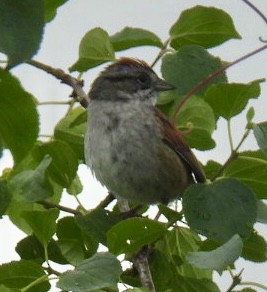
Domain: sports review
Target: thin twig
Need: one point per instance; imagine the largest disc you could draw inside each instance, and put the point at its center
(65, 78)
(256, 10)
(236, 281)
(214, 74)
(161, 53)
(50, 205)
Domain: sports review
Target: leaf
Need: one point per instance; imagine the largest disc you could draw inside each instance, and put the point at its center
(70, 240)
(251, 168)
(131, 234)
(95, 49)
(32, 185)
(174, 247)
(211, 168)
(43, 224)
(97, 223)
(204, 26)
(71, 130)
(18, 116)
(230, 99)
(21, 26)
(261, 212)
(187, 67)
(255, 248)
(209, 209)
(219, 258)
(101, 271)
(19, 274)
(64, 166)
(250, 114)
(5, 289)
(5, 197)
(131, 37)
(51, 7)
(260, 133)
(76, 186)
(197, 116)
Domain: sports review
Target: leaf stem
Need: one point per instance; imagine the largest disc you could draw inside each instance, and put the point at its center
(211, 76)
(236, 280)
(254, 284)
(230, 135)
(253, 7)
(54, 103)
(34, 283)
(161, 53)
(50, 205)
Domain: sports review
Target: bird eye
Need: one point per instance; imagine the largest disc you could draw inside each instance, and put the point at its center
(144, 80)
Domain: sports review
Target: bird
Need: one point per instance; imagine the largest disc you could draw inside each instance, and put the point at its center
(130, 145)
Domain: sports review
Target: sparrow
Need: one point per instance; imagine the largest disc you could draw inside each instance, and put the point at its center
(130, 146)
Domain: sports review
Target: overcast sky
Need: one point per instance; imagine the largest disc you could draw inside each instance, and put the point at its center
(60, 49)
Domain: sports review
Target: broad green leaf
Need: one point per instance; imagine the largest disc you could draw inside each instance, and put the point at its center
(21, 29)
(197, 117)
(204, 26)
(95, 49)
(262, 212)
(101, 271)
(70, 240)
(19, 274)
(71, 130)
(32, 185)
(229, 99)
(211, 168)
(43, 224)
(133, 37)
(255, 248)
(209, 209)
(170, 214)
(18, 116)
(64, 165)
(251, 168)
(51, 7)
(76, 186)
(131, 234)
(6, 289)
(260, 133)
(219, 258)
(189, 66)
(5, 197)
(174, 247)
(97, 223)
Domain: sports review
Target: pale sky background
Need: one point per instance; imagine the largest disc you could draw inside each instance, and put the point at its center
(60, 49)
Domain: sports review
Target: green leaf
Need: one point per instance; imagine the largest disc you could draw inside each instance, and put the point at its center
(5, 197)
(219, 258)
(19, 274)
(131, 234)
(251, 168)
(18, 116)
(197, 117)
(95, 49)
(174, 247)
(260, 133)
(64, 166)
(189, 66)
(32, 185)
(101, 271)
(262, 212)
(43, 224)
(255, 248)
(21, 29)
(209, 209)
(131, 37)
(51, 7)
(30, 248)
(211, 168)
(250, 114)
(6, 289)
(228, 100)
(97, 223)
(70, 240)
(204, 26)
(71, 130)
(76, 186)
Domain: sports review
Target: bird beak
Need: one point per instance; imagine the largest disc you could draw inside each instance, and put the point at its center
(162, 85)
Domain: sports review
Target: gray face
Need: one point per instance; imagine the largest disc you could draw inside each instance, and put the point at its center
(127, 80)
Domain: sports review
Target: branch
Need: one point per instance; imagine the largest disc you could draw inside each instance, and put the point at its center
(253, 7)
(205, 81)
(161, 53)
(64, 78)
(50, 205)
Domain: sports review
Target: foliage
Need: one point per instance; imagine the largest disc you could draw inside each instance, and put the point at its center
(219, 215)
